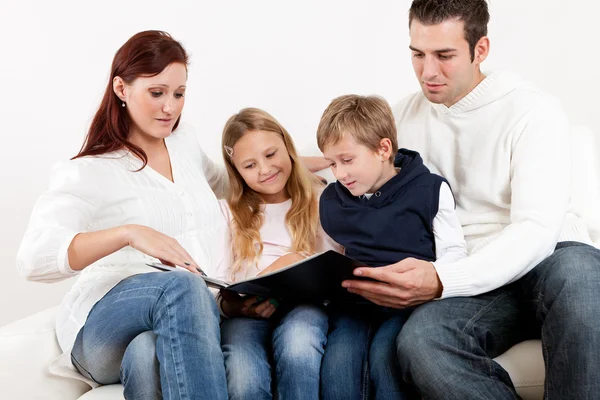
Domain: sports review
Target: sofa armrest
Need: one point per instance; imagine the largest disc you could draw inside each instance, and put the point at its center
(27, 347)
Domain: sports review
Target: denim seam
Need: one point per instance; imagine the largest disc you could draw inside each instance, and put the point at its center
(79, 366)
(165, 376)
(366, 376)
(176, 350)
(470, 324)
(545, 352)
(173, 344)
(544, 311)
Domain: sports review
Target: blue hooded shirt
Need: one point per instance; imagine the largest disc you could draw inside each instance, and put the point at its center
(396, 222)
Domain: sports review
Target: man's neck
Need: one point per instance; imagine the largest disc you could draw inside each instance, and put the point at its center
(479, 77)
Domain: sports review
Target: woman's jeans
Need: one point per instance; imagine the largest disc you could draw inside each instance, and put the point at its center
(158, 334)
(277, 357)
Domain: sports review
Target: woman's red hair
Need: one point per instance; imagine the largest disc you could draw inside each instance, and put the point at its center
(144, 54)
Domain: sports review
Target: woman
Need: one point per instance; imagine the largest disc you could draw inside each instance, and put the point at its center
(140, 189)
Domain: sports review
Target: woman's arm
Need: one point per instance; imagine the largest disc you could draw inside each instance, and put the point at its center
(56, 245)
(87, 248)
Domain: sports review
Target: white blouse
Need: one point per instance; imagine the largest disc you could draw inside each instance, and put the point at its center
(95, 193)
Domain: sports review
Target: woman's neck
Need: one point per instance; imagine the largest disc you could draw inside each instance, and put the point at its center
(150, 145)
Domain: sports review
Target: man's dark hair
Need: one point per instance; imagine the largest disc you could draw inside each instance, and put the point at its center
(473, 13)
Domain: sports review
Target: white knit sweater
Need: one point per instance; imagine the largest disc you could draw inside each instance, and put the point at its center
(504, 149)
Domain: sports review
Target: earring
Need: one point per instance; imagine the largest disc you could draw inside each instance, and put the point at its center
(123, 104)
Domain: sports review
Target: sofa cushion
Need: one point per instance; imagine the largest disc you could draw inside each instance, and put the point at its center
(27, 347)
(525, 365)
(108, 392)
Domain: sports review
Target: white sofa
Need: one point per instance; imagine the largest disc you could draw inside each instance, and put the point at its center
(27, 346)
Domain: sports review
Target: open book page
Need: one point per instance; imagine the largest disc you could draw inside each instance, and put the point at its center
(210, 282)
(317, 278)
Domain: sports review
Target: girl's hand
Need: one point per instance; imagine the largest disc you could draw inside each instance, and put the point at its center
(161, 246)
(234, 305)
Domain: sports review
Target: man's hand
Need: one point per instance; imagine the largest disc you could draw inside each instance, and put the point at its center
(407, 283)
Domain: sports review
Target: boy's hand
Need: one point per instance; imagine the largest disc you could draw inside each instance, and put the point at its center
(234, 305)
(407, 283)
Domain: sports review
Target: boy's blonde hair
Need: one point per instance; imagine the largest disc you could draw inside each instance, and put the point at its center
(302, 219)
(368, 119)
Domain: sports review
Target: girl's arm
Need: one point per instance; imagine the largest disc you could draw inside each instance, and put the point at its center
(315, 164)
(282, 262)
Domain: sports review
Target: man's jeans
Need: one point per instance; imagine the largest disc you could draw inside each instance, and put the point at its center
(446, 347)
(360, 357)
(293, 343)
(153, 331)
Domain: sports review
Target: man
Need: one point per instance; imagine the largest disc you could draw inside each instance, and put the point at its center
(503, 146)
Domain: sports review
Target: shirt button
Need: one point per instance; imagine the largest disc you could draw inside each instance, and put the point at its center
(190, 215)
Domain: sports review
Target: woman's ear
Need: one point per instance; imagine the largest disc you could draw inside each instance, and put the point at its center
(119, 88)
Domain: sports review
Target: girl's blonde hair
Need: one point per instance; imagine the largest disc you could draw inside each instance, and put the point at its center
(302, 219)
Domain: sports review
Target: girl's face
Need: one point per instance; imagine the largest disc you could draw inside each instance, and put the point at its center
(264, 163)
(154, 103)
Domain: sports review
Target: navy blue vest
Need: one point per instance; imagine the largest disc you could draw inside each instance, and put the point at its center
(395, 223)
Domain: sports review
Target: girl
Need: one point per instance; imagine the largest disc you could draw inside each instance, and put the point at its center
(272, 211)
(140, 189)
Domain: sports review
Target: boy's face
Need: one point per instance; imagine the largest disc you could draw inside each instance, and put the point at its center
(357, 167)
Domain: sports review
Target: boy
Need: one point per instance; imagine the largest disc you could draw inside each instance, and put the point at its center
(385, 206)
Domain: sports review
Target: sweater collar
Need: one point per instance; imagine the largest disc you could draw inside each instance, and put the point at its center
(474, 99)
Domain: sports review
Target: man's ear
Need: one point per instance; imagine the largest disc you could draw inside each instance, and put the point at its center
(481, 50)
(119, 88)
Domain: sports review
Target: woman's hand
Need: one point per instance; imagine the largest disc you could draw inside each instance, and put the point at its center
(159, 245)
(234, 305)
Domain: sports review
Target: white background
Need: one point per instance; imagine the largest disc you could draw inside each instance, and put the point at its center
(290, 58)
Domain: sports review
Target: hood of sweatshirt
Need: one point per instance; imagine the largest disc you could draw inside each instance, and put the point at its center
(411, 168)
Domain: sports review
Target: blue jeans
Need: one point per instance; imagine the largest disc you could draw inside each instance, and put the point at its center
(158, 334)
(360, 357)
(292, 342)
(446, 347)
